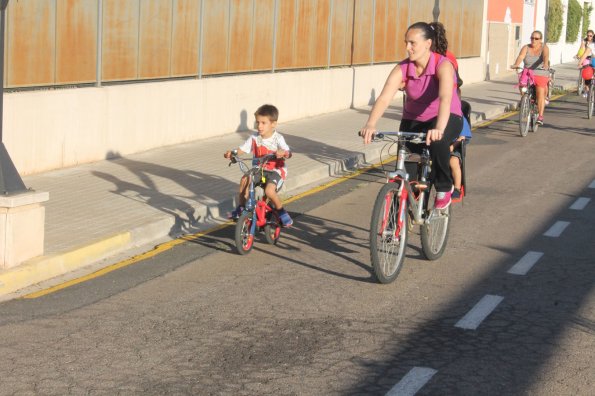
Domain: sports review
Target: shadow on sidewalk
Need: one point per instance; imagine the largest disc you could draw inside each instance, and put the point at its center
(181, 203)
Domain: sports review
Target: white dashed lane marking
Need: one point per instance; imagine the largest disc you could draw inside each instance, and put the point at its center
(411, 383)
(580, 203)
(479, 312)
(525, 263)
(557, 229)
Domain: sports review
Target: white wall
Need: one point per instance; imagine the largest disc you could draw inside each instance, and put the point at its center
(50, 129)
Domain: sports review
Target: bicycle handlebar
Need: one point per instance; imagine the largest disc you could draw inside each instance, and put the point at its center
(401, 134)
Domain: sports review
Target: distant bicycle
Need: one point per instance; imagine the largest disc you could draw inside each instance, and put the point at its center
(402, 202)
(259, 214)
(528, 111)
(587, 74)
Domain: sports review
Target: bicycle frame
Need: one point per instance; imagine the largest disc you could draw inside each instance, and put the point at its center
(400, 174)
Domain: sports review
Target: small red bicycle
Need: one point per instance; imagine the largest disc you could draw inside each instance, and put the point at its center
(259, 214)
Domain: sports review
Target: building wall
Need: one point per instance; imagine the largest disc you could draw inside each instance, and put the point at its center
(53, 129)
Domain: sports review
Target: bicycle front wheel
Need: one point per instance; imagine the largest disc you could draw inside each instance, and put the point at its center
(434, 231)
(244, 239)
(524, 115)
(388, 233)
(590, 102)
(534, 116)
(580, 85)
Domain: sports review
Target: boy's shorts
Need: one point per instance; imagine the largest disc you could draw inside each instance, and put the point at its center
(273, 178)
(457, 151)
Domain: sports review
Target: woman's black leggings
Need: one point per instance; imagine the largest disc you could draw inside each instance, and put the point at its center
(439, 150)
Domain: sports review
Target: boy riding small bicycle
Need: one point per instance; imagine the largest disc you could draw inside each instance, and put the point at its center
(265, 142)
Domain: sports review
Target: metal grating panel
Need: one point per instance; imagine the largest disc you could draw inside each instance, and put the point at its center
(76, 41)
(120, 39)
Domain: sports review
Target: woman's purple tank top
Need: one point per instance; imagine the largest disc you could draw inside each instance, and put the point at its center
(422, 92)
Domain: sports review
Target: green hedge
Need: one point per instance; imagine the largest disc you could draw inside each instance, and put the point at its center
(573, 20)
(554, 21)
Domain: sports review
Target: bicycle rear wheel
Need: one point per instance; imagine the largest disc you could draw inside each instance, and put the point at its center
(434, 231)
(580, 85)
(524, 115)
(244, 239)
(388, 233)
(590, 102)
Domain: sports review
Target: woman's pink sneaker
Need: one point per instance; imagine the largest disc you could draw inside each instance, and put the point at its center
(443, 199)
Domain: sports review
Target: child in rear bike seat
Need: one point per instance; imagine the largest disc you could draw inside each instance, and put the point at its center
(456, 156)
(266, 141)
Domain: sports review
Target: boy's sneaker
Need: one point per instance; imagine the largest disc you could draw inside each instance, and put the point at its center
(285, 218)
(237, 212)
(443, 199)
(456, 196)
(540, 120)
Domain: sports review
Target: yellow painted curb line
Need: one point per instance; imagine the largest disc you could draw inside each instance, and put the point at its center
(46, 267)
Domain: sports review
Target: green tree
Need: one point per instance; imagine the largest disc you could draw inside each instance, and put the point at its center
(587, 10)
(554, 21)
(573, 20)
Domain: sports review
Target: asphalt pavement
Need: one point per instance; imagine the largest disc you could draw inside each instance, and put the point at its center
(104, 209)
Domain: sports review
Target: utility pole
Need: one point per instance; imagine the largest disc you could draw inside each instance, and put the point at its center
(10, 180)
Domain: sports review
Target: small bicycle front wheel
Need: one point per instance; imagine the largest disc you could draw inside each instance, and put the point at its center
(388, 233)
(590, 102)
(580, 85)
(244, 239)
(272, 229)
(434, 231)
(524, 115)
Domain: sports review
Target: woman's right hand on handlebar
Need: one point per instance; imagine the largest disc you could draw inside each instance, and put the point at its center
(367, 133)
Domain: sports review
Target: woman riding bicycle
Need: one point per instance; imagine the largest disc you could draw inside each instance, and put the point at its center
(587, 42)
(536, 60)
(432, 103)
(585, 59)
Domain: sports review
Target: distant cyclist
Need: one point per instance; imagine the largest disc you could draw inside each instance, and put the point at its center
(585, 59)
(536, 60)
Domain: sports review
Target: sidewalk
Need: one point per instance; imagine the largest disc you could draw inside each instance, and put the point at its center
(98, 210)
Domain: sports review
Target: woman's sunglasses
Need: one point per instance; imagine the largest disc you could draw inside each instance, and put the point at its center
(535, 38)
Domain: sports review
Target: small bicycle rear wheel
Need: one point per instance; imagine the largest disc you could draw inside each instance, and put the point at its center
(524, 115)
(434, 231)
(272, 229)
(244, 239)
(388, 233)
(590, 102)
(580, 85)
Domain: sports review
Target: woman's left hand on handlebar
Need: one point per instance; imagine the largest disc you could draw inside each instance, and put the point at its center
(433, 135)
